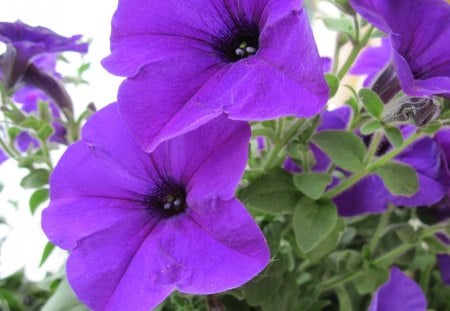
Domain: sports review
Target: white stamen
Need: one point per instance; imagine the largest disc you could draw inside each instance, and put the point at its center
(250, 50)
(177, 202)
(239, 52)
(167, 205)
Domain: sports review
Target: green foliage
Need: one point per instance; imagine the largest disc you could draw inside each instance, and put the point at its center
(372, 102)
(399, 179)
(370, 127)
(272, 193)
(344, 148)
(312, 184)
(333, 83)
(394, 136)
(35, 179)
(37, 198)
(313, 222)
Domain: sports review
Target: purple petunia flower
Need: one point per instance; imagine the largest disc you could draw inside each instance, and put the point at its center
(25, 43)
(145, 224)
(189, 61)
(399, 293)
(372, 60)
(419, 31)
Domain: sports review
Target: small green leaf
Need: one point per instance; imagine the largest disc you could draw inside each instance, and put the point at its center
(13, 132)
(371, 279)
(329, 243)
(48, 249)
(37, 178)
(272, 193)
(312, 184)
(265, 284)
(344, 148)
(343, 24)
(333, 83)
(31, 122)
(400, 179)
(431, 128)
(313, 221)
(37, 198)
(394, 136)
(372, 102)
(370, 127)
(45, 131)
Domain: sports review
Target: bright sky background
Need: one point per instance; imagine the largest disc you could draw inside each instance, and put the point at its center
(25, 240)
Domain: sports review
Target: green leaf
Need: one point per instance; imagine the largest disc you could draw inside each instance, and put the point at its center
(313, 221)
(63, 300)
(344, 148)
(343, 24)
(265, 284)
(272, 193)
(432, 128)
(328, 244)
(371, 279)
(400, 179)
(13, 132)
(372, 102)
(333, 83)
(31, 122)
(48, 249)
(37, 178)
(37, 198)
(45, 132)
(312, 184)
(394, 136)
(370, 127)
(272, 232)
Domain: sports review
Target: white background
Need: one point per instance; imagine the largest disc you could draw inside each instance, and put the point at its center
(25, 240)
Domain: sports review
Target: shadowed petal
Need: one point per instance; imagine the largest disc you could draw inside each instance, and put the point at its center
(400, 293)
(369, 196)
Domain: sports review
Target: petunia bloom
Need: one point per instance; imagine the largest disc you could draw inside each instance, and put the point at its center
(188, 62)
(142, 225)
(372, 61)
(418, 31)
(399, 293)
(26, 42)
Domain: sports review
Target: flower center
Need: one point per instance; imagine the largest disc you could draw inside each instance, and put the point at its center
(167, 198)
(238, 44)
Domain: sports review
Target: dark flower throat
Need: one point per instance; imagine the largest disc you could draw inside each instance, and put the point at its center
(237, 44)
(167, 198)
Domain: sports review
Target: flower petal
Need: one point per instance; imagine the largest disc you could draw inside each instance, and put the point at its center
(400, 293)
(65, 221)
(153, 103)
(369, 196)
(210, 160)
(113, 270)
(227, 253)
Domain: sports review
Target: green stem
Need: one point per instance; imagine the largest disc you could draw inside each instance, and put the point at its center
(376, 138)
(388, 258)
(9, 151)
(353, 179)
(46, 152)
(384, 220)
(354, 53)
(280, 144)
